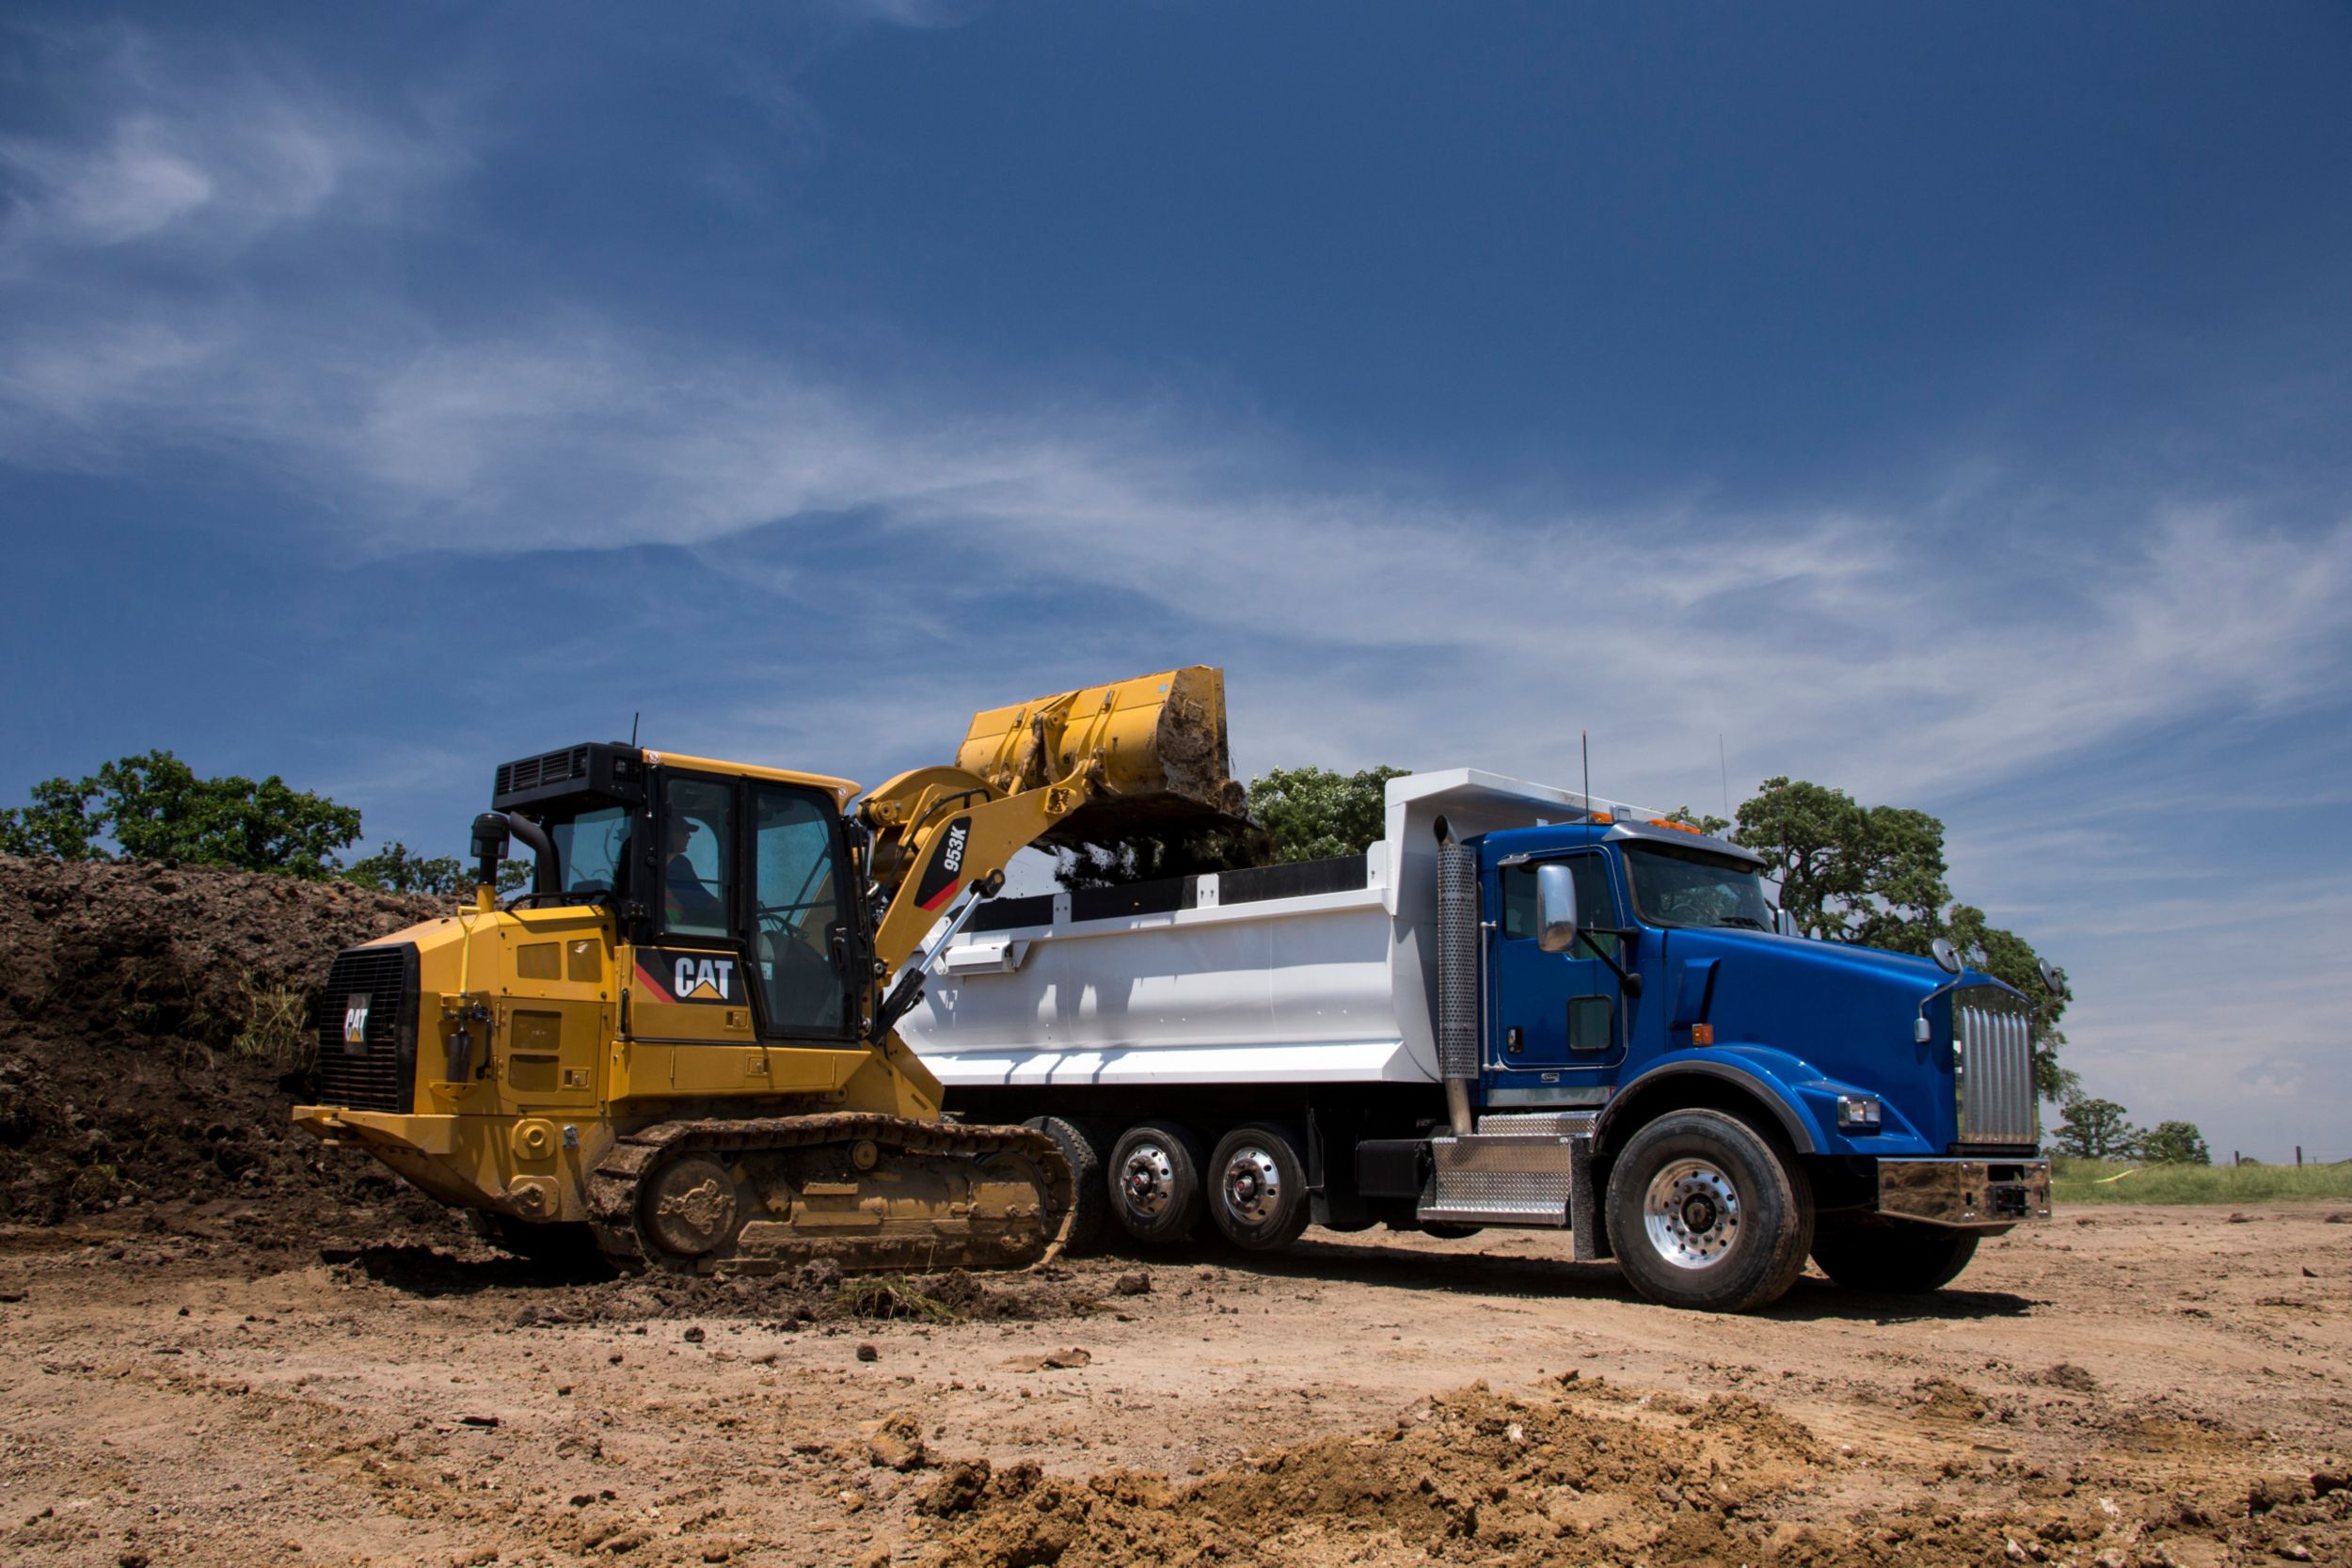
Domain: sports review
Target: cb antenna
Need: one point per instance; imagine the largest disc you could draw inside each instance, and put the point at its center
(1584, 740)
(1722, 760)
(632, 727)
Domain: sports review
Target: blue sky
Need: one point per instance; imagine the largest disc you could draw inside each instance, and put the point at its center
(1944, 404)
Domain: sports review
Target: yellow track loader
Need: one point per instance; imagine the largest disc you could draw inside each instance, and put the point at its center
(682, 1040)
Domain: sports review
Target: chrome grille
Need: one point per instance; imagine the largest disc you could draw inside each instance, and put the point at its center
(1992, 1053)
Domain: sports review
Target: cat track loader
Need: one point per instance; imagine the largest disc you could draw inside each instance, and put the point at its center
(682, 1041)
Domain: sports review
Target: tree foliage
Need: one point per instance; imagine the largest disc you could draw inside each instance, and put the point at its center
(1875, 875)
(153, 807)
(2175, 1143)
(1314, 813)
(396, 868)
(2096, 1130)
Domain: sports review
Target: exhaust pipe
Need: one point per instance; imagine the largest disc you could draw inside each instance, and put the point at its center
(491, 830)
(1457, 976)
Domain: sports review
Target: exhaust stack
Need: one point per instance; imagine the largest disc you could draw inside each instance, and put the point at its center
(1457, 975)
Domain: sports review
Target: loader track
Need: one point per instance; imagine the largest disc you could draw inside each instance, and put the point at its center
(867, 1191)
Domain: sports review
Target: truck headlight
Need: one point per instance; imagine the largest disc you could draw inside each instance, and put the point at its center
(1858, 1112)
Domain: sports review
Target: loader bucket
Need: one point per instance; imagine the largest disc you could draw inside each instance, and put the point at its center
(1155, 744)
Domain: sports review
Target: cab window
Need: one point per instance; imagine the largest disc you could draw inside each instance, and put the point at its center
(698, 856)
(796, 908)
(1596, 904)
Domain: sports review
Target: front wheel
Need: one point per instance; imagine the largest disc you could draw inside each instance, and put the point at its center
(1897, 1257)
(1707, 1214)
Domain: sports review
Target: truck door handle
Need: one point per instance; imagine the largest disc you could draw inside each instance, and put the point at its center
(1512, 1041)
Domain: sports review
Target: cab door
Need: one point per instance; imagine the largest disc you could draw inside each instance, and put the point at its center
(1555, 1021)
(799, 927)
(692, 983)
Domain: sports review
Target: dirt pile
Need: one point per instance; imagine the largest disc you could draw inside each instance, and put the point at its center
(153, 1031)
(1593, 1475)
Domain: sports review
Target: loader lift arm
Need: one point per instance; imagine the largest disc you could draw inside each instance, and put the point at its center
(1143, 750)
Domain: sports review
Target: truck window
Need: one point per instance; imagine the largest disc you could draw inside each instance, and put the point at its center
(1673, 886)
(698, 856)
(1596, 903)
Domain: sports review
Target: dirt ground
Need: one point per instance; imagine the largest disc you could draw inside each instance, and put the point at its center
(225, 1345)
(2131, 1386)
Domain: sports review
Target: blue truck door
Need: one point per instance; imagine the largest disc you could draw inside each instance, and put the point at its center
(1554, 1020)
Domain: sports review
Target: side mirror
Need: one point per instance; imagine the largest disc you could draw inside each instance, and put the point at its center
(1786, 924)
(1555, 907)
(1946, 957)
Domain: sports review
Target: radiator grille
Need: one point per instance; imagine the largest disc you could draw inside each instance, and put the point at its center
(371, 991)
(1993, 1033)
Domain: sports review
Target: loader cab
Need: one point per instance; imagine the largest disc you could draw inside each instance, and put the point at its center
(732, 885)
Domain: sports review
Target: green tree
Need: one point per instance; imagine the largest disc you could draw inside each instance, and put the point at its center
(396, 868)
(1314, 814)
(2175, 1143)
(154, 807)
(56, 825)
(1874, 875)
(2096, 1130)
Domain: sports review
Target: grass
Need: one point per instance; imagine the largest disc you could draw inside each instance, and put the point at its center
(895, 1296)
(277, 1028)
(2086, 1181)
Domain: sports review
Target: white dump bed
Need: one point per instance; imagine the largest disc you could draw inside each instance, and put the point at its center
(1320, 988)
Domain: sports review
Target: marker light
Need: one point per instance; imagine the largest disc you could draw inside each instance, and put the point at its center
(1679, 827)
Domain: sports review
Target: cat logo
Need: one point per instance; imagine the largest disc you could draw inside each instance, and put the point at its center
(356, 1023)
(704, 979)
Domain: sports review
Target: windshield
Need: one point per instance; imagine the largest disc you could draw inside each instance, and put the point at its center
(589, 845)
(1673, 886)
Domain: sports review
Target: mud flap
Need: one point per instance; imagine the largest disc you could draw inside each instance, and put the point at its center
(1588, 1228)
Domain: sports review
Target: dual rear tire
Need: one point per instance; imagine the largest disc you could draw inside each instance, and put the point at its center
(1155, 1183)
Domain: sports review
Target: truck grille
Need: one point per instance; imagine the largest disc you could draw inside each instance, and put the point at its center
(367, 1030)
(1992, 1036)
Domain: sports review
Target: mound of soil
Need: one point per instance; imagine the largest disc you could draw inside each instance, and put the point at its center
(152, 1037)
(1590, 1475)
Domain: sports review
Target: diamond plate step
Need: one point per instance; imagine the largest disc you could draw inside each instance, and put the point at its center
(1499, 1179)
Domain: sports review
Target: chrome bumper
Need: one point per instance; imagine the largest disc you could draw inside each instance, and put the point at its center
(1968, 1195)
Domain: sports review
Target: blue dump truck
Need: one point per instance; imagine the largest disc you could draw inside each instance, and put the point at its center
(1523, 1008)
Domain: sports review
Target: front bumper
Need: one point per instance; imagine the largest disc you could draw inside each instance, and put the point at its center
(1965, 1195)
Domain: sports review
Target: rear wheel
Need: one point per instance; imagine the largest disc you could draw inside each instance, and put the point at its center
(1154, 1182)
(1259, 1187)
(1707, 1214)
(1867, 1253)
(1081, 1145)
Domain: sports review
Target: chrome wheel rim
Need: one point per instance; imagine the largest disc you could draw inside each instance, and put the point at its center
(1252, 1187)
(1691, 1213)
(1147, 1182)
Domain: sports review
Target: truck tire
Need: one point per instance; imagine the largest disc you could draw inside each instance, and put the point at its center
(1708, 1215)
(1899, 1259)
(1090, 1208)
(1154, 1182)
(1258, 1187)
